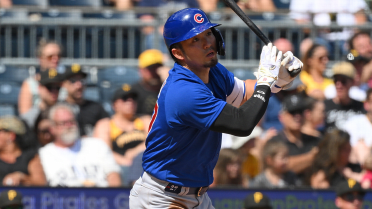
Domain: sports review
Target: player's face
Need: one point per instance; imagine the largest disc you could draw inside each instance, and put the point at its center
(200, 51)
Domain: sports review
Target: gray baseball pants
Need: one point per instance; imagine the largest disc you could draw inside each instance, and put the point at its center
(148, 193)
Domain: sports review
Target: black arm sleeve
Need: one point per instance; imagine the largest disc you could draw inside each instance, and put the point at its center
(241, 121)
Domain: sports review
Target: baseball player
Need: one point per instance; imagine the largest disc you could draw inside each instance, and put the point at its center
(200, 100)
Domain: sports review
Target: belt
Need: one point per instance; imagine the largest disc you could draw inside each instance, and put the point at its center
(198, 191)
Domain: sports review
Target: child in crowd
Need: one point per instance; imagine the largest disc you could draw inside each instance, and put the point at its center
(275, 173)
(366, 181)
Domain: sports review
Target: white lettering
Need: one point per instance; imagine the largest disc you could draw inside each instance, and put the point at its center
(260, 97)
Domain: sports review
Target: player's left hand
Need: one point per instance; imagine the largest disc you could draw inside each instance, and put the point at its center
(288, 64)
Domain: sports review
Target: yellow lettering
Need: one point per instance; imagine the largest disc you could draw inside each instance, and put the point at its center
(12, 194)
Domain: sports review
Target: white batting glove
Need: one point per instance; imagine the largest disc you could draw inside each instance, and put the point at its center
(285, 80)
(269, 68)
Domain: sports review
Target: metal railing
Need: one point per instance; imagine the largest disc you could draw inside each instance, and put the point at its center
(118, 41)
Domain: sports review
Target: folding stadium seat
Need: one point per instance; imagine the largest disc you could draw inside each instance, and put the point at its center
(110, 14)
(55, 13)
(118, 75)
(7, 109)
(92, 93)
(9, 92)
(13, 13)
(13, 74)
(89, 3)
(243, 74)
(42, 3)
(282, 4)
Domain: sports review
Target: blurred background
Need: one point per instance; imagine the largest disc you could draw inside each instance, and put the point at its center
(101, 64)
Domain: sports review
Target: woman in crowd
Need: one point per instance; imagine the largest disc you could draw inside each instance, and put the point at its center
(275, 173)
(315, 63)
(124, 132)
(41, 129)
(49, 53)
(17, 167)
(313, 117)
(228, 169)
(331, 164)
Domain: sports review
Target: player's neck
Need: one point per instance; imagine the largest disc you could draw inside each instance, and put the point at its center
(201, 72)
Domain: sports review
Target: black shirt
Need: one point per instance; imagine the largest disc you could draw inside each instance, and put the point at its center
(20, 165)
(337, 114)
(308, 142)
(338, 177)
(146, 99)
(88, 113)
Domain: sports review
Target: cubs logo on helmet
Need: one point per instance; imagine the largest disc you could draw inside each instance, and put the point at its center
(198, 18)
(187, 23)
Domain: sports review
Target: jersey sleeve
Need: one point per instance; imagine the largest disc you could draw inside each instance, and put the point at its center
(192, 104)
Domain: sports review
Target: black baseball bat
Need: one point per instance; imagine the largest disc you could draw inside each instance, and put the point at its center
(254, 28)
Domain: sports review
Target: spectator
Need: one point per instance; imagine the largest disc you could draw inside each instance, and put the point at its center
(17, 167)
(149, 86)
(305, 46)
(257, 5)
(284, 45)
(228, 170)
(41, 129)
(366, 181)
(275, 173)
(173, 3)
(49, 53)
(121, 4)
(331, 165)
(88, 112)
(342, 107)
(315, 63)
(74, 161)
(361, 47)
(301, 147)
(11, 199)
(318, 11)
(124, 132)
(257, 200)
(360, 129)
(313, 117)
(243, 145)
(48, 88)
(208, 5)
(350, 195)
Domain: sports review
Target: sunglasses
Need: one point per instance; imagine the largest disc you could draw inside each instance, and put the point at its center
(296, 112)
(52, 87)
(50, 56)
(43, 131)
(350, 197)
(322, 58)
(74, 80)
(343, 81)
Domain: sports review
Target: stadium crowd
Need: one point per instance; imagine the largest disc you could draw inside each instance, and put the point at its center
(316, 134)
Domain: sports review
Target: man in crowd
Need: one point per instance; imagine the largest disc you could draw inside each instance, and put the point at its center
(342, 107)
(301, 147)
(49, 85)
(74, 161)
(350, 195)
(88, 112)
(10, 199)
(149, 86)
(257, 200)
(360, 129)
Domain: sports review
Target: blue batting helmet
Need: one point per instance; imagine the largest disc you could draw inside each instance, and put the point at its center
(187, 23)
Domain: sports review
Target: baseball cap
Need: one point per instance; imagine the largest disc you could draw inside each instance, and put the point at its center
(74, 69)
(10, 198)
(294, 102)
(12, 124)
(345, 69)
(50, 76)
(350, 185)
(150, 57)
(124, 92)
(237, 141)
(257, 200)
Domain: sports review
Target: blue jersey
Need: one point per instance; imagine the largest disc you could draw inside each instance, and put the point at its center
(180, 148)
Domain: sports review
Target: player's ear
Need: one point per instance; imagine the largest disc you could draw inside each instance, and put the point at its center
(177, 53)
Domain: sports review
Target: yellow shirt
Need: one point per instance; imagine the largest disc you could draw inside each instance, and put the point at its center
(251, 166)
(311, 85)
